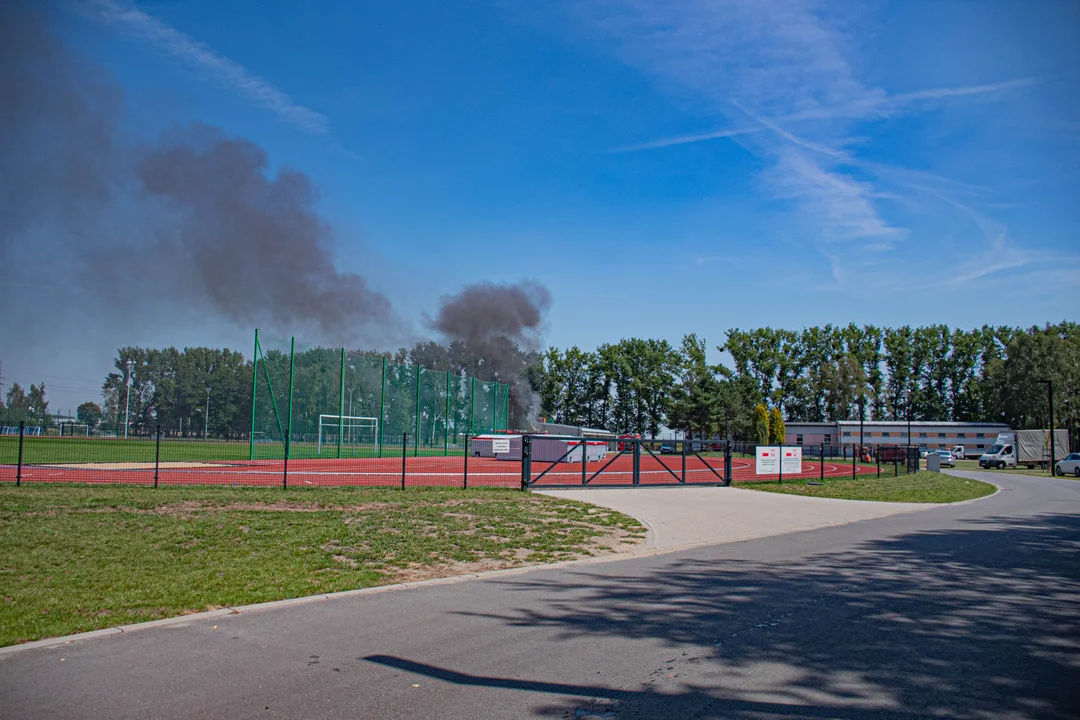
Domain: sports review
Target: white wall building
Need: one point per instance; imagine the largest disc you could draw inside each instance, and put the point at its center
(976, 437)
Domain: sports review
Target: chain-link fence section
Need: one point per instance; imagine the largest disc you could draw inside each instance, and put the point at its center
(314, 402)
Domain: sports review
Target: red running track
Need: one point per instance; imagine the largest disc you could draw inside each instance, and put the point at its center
(419, 471)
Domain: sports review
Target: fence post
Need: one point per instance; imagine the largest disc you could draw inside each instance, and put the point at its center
(780, 463)
(382, 406)
(404, 453)
(822, 462)
(254, 388)
(341, 405)
(728, 472)
(446, 419)
(878, 458)
(18, 471)
(637, 460)
(468, 452)
(684, 463)
(896, 465)
(157, 454)
(584, 469)
(526, 462)
(853, 454)
(292, 385)
(416, 440)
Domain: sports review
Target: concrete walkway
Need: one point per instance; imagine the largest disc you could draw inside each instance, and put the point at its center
(684, 517)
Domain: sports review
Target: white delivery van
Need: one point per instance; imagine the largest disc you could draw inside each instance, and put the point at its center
(1025, 447)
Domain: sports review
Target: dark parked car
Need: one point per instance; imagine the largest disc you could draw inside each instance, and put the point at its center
(667, 448)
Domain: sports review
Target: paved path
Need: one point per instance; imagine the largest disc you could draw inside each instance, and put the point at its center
(967, 611)
(684, 516)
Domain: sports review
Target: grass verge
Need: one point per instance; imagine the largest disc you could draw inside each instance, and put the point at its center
(921, 487)
(78, 558)
(973, 465)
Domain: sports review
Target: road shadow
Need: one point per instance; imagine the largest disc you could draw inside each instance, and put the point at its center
(976, 622)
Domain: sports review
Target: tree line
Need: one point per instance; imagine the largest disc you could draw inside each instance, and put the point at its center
(821, 373)
(817, 374)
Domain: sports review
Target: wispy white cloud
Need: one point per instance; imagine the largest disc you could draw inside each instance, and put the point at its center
(786, 67)
(684, 139)
(204, 60)
(842, 205)
(873, 106)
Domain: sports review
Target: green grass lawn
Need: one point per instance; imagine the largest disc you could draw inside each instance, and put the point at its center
(78, 558)
(920, 487)
(1022, 470)
(56, 450)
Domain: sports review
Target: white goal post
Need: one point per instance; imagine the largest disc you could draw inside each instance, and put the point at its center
(353, 427)
(81, 428)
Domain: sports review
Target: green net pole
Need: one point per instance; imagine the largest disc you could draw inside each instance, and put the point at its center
(506, 408)
(416, 437)
(446, 418)
(254, 386)
(495, 408)
(341, 404)
(382, 405)
(292, 379)
(472, 403)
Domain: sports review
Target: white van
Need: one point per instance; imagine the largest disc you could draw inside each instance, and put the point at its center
(959, 452)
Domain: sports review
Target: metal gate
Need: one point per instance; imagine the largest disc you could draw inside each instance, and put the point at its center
(564, 461)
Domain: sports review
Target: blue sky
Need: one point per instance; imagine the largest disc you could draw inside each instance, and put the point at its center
(679, 166)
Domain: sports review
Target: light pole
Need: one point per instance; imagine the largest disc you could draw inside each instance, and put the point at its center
(909, 423)
(127, 396)
(206, 415)
(1050, 393)
(862, 400)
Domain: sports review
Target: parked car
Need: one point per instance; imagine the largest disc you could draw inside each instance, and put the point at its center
(892, 453)
(667, 448)
(1070, 465)
(947, 459)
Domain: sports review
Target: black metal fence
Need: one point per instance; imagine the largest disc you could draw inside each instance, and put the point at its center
(555, 461)
(510, 461)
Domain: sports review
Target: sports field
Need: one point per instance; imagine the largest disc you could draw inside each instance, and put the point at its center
(182, 462)
(84, 450)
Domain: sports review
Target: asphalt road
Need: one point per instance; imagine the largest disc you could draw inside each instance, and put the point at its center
(965, 611)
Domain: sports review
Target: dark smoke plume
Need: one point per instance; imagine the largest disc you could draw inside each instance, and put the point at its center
(501, 325)
(193, 220)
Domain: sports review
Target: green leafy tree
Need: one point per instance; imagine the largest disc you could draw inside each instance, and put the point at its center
(89, 413)
(16, 398)
(777, 429)
(760, 428)
(38, 406)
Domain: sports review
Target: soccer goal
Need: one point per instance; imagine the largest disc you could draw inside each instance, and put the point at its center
(74, 429)
(354, 430)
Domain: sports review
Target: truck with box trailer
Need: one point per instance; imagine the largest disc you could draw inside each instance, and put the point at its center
(1030, 448)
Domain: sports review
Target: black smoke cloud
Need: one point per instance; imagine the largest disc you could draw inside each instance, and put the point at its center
(500, 324)
(194, 220)
(487, 313)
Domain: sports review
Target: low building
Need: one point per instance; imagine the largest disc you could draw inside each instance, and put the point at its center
(975, 437)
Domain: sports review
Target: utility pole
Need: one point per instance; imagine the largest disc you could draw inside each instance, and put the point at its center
(206, 416)
(127, 397)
